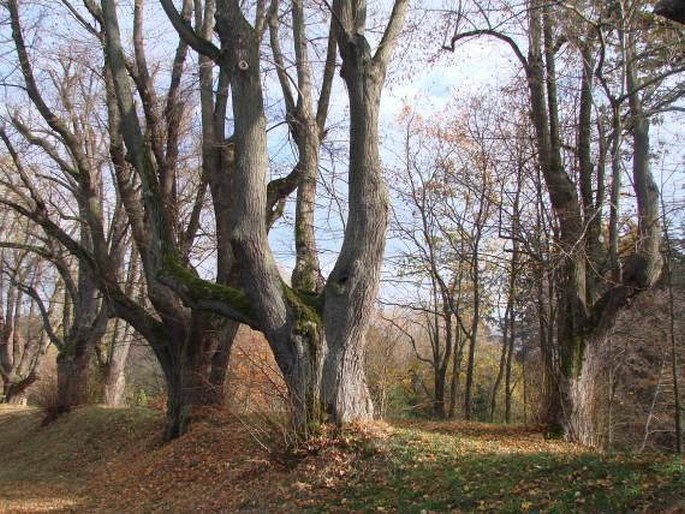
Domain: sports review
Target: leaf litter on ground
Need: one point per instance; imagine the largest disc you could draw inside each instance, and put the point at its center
(113, 460)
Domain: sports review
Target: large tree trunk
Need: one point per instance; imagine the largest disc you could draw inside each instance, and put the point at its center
(583, 327)
(73, 377)
(450, 349)
(196, 370)
(180, 399)
(207, 352)
(74, 359)
(353, 283)
(586, 422)
(312, 344)
(352, 286)
(303, 378)
(307, 273)
(114, 380)
(345, 392)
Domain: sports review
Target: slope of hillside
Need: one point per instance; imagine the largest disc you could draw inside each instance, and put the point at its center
(101, 460)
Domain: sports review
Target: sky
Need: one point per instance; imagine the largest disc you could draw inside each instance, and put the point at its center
(421, 75)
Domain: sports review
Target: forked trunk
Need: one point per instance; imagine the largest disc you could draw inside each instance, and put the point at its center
(352, 285)
(468, 386)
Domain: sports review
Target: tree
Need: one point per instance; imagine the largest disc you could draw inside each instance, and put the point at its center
(671, 9)
(23, 344)
(307, 125)
(429, 260)
(113, 349)
(675, 368)
(84, 143)
(318, 339)
(446, 196)
(84, 315)
(586, 303)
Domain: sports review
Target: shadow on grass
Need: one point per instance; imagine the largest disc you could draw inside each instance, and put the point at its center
(436, 470)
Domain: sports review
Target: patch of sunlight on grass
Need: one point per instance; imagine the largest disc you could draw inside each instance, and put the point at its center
(38, 504)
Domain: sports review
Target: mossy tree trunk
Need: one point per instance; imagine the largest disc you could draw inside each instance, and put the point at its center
(192, 346)
(585, 316)
(194, 357)
(317, 337)
(586, 305)
(141, 159)
(73, 377)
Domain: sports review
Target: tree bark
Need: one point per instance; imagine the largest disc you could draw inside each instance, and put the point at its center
(502, 362)
(439, 395)
(73, 377)
(456, 370)
(114, 380)
(14, 391)
(586, 422)
(89, 323)
(194, 365)
(508, 387)
(353, 283)
(640, 272)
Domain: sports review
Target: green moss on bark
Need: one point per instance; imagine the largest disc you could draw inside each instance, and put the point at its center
(305, 306)
(197, 288)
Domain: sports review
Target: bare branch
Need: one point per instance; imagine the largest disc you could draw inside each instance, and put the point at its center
(186, 31)
(392, 31)
(492, 33)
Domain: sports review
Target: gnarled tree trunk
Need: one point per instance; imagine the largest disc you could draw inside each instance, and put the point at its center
(73, 377)
(352, 286)
(317, 337)
(586, 423)
(195, 366)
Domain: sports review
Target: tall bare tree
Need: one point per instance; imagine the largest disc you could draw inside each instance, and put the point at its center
(23, 342)
(587, 303)
(85, 129)
(318, 339)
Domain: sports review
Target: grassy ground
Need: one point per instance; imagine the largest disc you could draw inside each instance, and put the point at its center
(100, 460)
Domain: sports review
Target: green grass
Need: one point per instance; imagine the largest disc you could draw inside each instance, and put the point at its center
(424, 471)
